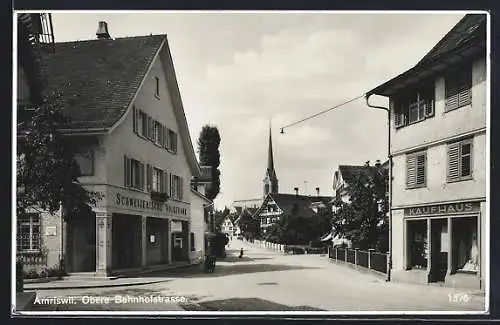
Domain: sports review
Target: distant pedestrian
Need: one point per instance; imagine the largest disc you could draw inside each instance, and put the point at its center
(241, 253)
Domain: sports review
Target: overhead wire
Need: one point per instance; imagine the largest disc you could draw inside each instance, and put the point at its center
(321, 113)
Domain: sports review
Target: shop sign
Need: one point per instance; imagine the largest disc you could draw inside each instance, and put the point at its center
(128, 201)
(443, 209)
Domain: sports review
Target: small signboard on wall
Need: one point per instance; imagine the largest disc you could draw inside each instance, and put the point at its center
(176, 226)
(152, 239)
(51, 231)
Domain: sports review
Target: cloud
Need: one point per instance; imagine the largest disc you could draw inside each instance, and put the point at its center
(239, 70)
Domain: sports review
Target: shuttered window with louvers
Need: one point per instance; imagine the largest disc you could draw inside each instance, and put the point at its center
(460, 160)
(458, 89)
(416, 169)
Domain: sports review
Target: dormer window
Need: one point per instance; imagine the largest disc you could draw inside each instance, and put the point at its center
(414, 107)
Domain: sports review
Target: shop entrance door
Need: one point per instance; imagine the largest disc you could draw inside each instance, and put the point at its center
(439, 249)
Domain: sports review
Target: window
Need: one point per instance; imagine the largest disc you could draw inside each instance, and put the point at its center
(193, 248)
(172, 141)
(143, 124)
(417, 244)
(465, 256)
(415, 107)
(458, 89)
(85, 159)
(460, 160)
(134, 173)
(157, 87)
(28, 232)
(176, 187)
(157, 179)
(415, 169)
(158, 133)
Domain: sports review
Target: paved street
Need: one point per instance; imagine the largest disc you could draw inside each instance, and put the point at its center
(264, 280)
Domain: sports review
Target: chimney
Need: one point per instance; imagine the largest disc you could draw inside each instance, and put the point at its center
(317, 191)
(102, 31)
(296, 189)
(367, 163)
(377, 163)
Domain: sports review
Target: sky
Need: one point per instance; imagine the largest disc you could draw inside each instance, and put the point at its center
(241, 71)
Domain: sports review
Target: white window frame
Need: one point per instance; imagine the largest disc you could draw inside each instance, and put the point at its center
(34, 245)
(420, 101)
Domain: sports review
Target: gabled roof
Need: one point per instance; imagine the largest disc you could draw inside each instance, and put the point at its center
(466, 40)
(466, 30)
(295, 204)
(99, 78)
(350, 172)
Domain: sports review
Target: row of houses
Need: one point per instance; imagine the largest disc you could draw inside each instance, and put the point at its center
(127, 123)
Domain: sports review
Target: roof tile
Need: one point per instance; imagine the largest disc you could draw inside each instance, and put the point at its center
(99, 78)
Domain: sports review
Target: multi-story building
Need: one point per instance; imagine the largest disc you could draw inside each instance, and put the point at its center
(127, 123)
(438, 150)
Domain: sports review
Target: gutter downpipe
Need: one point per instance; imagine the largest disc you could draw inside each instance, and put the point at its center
(389, 156)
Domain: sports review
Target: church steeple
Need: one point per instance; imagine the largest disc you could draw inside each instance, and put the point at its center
(270, 180)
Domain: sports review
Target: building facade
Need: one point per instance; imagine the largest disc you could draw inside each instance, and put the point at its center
(227, 226)
(438, 148)
(134, 149)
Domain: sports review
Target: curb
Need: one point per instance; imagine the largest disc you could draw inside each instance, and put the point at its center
(93, 286)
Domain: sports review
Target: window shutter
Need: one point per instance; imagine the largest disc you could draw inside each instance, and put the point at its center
(181, 187)
(141, 176)
(150, 126)
(125, 169)
(174, 142)
(420, 177)
(134, 119)
(411, 170)
(165, 137)
(171, 181)
(162, 181)
(453, 161)
(399, 118)
(429, 108)
(148, 177)
(465, 96)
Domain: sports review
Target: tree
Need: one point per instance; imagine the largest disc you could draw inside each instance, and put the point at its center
(363, 219)
(295, 229)
(47, 174)
(219, 217)
(208, 149)
(250, 227)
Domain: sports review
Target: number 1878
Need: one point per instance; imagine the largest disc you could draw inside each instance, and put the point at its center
(459, 297)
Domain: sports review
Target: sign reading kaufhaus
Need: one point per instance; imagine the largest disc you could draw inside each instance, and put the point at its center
(443, 209)
(135, 201)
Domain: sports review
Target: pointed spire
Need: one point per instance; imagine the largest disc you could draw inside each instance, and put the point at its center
(270, 161)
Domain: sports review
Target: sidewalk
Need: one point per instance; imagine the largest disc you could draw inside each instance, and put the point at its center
(133, 277)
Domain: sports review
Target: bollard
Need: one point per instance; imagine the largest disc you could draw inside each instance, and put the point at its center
(356, 256)
(370, 250)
